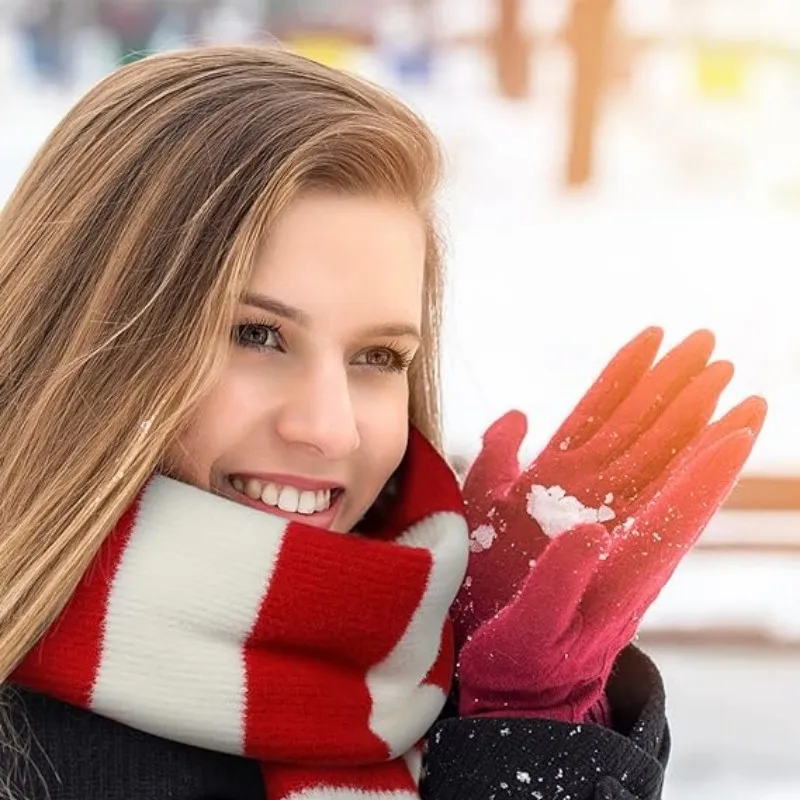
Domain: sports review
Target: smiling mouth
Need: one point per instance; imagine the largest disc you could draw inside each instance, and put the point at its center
(286, 498)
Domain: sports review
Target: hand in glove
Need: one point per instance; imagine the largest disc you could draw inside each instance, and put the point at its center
(656, 474)
(550, 651)
(614, 450)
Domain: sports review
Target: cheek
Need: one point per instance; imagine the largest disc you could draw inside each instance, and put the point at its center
(383, 428)
(221, 421)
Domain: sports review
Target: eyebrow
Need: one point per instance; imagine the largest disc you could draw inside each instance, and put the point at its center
(273, 306)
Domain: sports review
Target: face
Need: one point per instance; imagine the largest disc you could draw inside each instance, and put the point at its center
(310, 417)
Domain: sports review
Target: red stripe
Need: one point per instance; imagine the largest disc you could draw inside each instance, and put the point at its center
(310, 650)
(64, 663)
(426, 487)
(441, 672)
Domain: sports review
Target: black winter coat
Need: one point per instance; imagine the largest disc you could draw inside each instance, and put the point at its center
(71, 754)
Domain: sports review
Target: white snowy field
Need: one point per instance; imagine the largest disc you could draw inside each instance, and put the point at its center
(545, 286)
(735, 724)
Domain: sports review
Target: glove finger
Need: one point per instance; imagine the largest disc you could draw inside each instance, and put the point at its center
(612, 386)
(497, 464)
(749, 414)
(680, 424)
(655, 391)
(549, 597)
(500, 559)
(647, 548)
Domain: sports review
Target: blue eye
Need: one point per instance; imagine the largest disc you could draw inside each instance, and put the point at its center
(258, 336)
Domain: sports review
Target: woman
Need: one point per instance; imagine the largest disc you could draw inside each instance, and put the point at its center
(221, 284)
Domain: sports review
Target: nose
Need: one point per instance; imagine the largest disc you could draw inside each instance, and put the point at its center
(319, 414)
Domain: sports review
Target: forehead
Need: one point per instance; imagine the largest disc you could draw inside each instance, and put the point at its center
(356, 256)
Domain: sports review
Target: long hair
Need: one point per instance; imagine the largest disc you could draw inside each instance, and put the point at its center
(124, 251)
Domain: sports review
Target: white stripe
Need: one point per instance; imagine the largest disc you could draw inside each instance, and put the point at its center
(413, 759)
(196, 564)
(403, 708)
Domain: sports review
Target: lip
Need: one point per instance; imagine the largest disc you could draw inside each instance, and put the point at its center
(320, 519)
(299, 482)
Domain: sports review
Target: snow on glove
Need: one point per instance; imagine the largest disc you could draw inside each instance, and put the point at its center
(550, 651)
(610, 452)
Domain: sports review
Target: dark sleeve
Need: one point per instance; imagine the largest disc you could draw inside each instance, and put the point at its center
(52, 751)
(472, 758)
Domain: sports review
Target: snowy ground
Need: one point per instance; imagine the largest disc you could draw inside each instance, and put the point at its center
(545, 286)
(735, 724)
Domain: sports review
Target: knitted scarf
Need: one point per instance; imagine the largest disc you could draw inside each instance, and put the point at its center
(324, 656)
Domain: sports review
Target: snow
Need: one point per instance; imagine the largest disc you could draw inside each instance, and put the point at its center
(764, 527)
(734, 592)
(557, 512)
(734, 722)
(481, 538)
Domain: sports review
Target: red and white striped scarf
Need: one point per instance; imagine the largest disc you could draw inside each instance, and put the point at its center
(324, 656)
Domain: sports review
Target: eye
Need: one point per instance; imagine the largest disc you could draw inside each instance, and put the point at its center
(384, 359)
(258, 336)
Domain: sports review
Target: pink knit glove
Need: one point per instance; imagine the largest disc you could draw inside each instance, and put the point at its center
(613, 451)
(638, 429)
(550, 651)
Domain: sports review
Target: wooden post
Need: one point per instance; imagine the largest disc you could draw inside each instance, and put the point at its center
(589, 36)
(766, 493)
(511, 50)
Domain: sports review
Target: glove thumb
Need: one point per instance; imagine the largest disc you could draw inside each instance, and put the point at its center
(497, 464)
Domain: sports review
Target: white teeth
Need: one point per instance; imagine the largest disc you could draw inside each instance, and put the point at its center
(288, 499)
(270, 494)
(307, 504)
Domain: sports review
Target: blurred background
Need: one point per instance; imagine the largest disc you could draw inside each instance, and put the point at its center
(612, 164)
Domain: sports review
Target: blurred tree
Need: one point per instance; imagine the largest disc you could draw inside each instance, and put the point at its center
(588, 35)
(511, 48)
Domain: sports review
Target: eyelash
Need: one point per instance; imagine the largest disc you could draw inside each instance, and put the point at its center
(272, 327)
(401, 357)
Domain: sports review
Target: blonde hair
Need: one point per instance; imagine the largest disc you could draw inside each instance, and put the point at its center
(124, 251)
